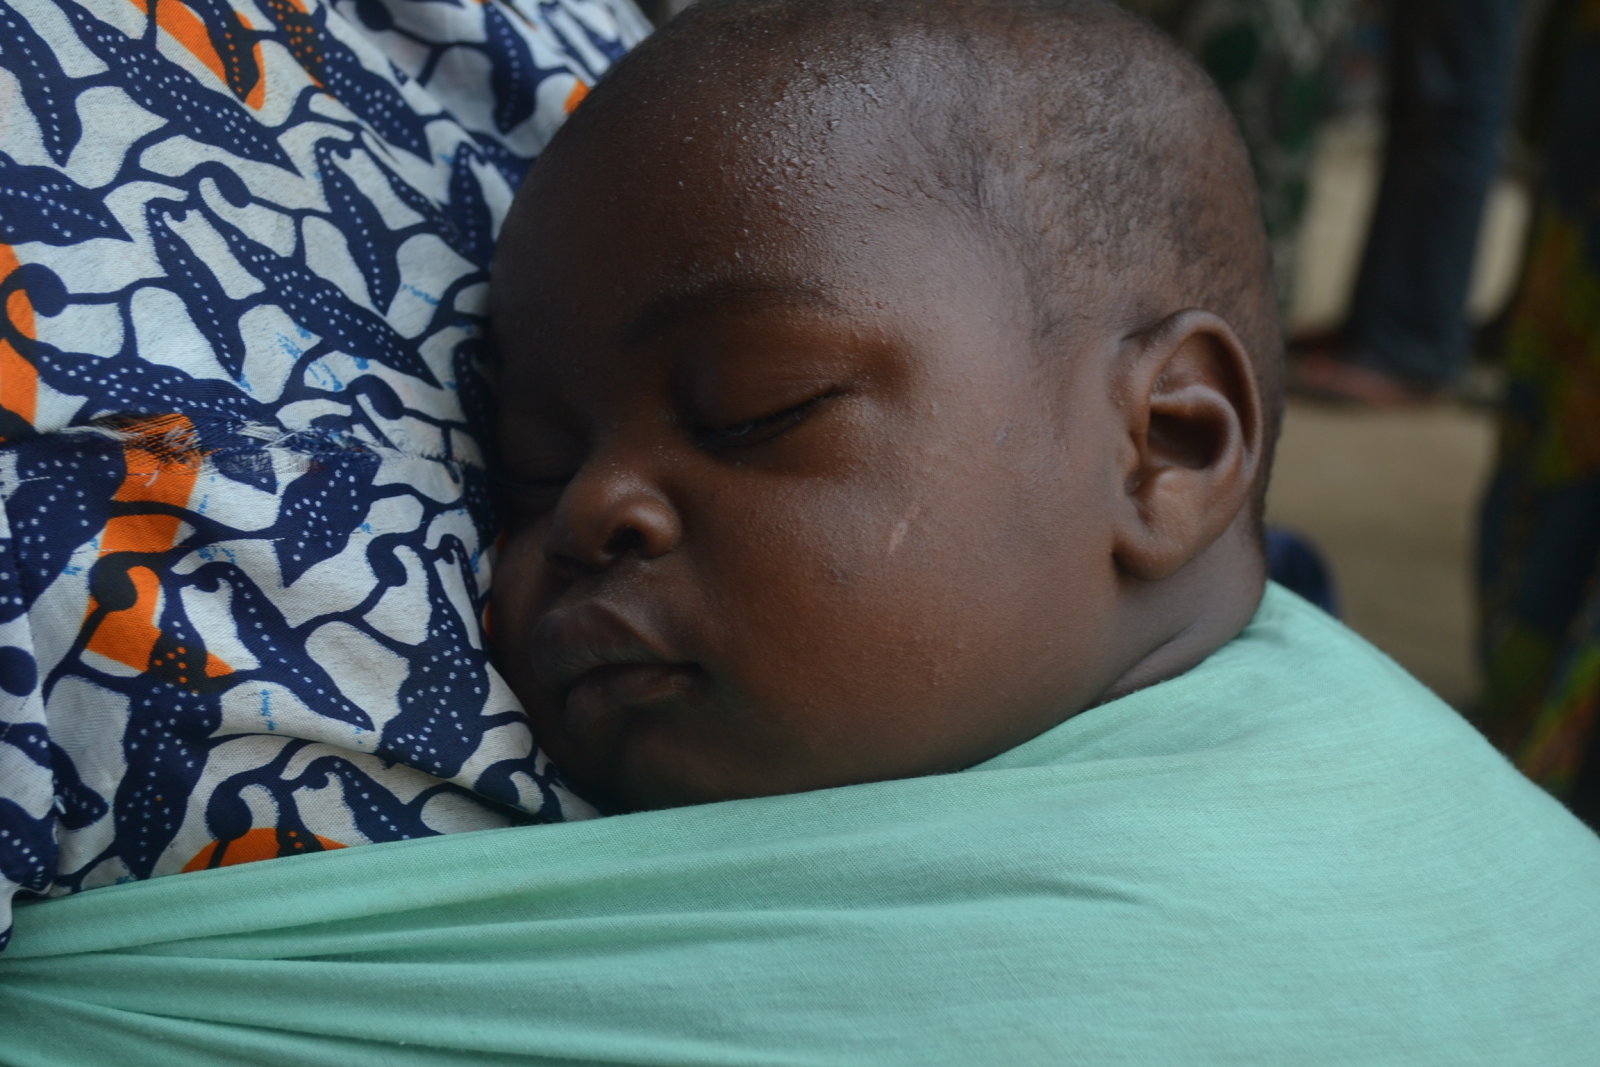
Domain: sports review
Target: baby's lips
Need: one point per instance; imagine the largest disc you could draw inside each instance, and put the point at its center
(592, 638)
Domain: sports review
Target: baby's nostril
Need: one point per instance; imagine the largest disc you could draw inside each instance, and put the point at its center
(625, 540)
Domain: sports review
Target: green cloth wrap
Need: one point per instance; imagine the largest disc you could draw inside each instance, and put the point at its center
(1291, 854)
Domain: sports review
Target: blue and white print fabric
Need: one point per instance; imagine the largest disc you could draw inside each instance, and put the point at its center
(243, 255)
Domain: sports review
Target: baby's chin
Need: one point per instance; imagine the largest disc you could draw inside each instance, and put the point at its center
(614, 775)
(638, 786)
(636, 779)
(621, 794)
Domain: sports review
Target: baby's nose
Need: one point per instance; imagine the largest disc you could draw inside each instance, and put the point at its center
(606, 515)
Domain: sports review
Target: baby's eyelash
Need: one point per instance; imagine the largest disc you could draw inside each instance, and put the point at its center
(756, 431)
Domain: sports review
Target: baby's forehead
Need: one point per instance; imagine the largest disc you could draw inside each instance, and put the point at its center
(794, 94)
(1079, 169)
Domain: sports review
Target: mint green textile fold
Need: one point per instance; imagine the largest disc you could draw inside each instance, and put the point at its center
(1291, 855)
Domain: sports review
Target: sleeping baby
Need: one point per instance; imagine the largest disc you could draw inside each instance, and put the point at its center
(876, 398)
(887, 393)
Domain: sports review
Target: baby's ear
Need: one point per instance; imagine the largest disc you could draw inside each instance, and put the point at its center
(1193, 418)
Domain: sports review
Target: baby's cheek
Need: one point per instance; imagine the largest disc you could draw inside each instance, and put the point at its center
(860, 557)
(516, 582)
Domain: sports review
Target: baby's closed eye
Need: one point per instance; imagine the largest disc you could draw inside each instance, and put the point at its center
(747, 433)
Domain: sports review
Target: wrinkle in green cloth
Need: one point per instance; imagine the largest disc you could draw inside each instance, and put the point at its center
(1292, 854)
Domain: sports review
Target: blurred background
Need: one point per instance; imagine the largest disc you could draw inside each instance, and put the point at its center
(1430, 174)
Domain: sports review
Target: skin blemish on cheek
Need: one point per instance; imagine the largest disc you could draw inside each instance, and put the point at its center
(897, 535)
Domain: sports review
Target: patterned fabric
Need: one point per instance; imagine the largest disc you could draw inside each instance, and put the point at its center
(243, 247)
(1540, 562)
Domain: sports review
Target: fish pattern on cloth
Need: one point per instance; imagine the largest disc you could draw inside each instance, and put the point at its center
(244, 515)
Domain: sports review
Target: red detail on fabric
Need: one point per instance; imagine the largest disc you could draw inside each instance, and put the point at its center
(191, 31)
(262, 843)
(163, 464)
(19, 382)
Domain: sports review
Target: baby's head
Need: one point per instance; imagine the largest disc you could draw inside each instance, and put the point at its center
(882, 383)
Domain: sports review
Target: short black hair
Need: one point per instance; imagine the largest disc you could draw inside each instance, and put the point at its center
(1079, 137)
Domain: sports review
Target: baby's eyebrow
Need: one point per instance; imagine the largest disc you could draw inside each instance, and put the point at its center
(675, 306)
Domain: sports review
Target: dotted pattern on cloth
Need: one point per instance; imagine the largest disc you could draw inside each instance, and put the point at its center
(243, 267)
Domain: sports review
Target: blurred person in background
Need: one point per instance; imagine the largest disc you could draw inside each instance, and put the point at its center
(1406, 337)
(1539, 550)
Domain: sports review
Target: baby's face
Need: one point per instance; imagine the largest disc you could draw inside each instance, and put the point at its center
(794, 501)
